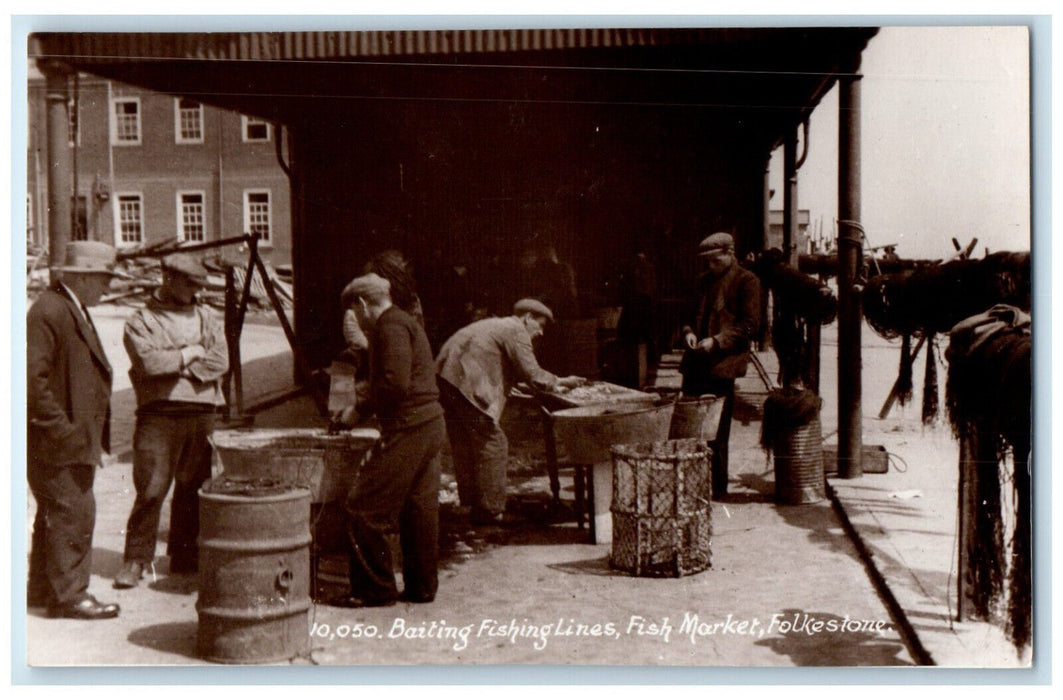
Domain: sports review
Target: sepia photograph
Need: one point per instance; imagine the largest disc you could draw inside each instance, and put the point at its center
(686, 342)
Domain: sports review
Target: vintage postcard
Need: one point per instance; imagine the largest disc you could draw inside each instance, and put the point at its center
(684, 345)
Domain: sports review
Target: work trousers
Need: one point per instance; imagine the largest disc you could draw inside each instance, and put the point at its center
(481, 454)
(397, 490)
(168, 449)
(61, 548)
(717, 386)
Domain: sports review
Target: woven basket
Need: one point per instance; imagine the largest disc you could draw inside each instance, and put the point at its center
(662, 525)
(799, 475)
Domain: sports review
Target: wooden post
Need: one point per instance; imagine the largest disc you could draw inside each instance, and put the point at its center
(234, 379)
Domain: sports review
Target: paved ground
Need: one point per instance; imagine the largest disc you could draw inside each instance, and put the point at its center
(543, 595)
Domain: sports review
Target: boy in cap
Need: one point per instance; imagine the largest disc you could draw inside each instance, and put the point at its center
(477, 368)
(718, 341)
(398, 489)
(179, 356)
(68, 392)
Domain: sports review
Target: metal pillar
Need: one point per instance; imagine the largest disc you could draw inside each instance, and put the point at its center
(850, 255)
(789, 207)
(765, 324)
(60, 159)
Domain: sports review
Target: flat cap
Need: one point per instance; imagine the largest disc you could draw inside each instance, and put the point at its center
(89, 257)
(534, 306)
(186, 265)
(371, 286)
(717, 241)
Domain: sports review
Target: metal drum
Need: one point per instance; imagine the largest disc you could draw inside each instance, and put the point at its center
(254, 572)
(799, 475)
(697, 417)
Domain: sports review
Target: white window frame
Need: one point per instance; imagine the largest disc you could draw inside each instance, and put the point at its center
(182, 233)
(73, 121)
(115, 141)
(179, 137)
(267, 238)
(119, 242)
(246, 121)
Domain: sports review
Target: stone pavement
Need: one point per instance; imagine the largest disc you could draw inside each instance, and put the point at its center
(543, 595)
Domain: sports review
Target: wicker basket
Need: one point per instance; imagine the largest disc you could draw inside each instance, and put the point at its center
(799, 475)
(661, 510)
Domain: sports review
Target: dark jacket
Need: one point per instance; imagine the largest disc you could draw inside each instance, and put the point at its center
(403, 390)
(68, 384)
(728, 311)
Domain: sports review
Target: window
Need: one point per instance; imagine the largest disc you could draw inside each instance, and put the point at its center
(255, 129)
(188, 120)
(125, 124)
(73, 122)
(191, 218)
(129, 220)
(257, 214)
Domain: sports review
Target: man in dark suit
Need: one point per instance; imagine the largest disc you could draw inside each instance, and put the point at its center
(68, 392)
(718, 342)
(398, 490)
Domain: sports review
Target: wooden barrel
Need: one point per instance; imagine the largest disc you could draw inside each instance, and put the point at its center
(254, 572)
(799, 475)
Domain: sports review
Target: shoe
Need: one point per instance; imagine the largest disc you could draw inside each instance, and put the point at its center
(85, 608)
(129, 575)
(352, 601)
(407, 597)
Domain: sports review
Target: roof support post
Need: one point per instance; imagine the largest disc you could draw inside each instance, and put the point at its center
(60, 159)
(789, 207)
(850, 256)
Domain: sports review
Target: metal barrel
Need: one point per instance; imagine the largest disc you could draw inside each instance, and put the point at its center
(799, 475)
(254, 572)
(697, 417)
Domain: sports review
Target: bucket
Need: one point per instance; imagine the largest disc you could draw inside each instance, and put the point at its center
(326, 463)
(586, 434)
(661, 508)
(254, 572)
(697, 417)
(799, 475)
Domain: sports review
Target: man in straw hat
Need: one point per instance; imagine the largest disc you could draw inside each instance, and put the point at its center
(718, 341)
(478, 367)
(68, 411)
(398, 489)
(178, 357)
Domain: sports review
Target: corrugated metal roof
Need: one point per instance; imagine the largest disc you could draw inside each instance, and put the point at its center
(281, 46)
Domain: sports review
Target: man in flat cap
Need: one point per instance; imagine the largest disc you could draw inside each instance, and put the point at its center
(398, 489)
(718, 341)
(68, 412)
(477, 367)
(179, 355)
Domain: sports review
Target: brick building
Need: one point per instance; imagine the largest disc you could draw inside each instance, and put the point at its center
(151, 167)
